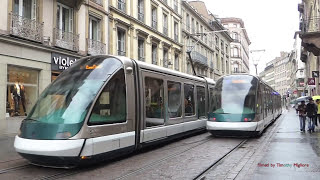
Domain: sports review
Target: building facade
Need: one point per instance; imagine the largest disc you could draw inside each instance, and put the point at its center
(281, 73)
(41, 38)
(220, 40)
(239, 45)
(310, 42)
(147, 30)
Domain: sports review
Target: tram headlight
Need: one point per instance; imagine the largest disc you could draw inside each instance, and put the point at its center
(63, 135)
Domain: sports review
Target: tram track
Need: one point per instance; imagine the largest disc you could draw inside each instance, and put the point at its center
(14, 168)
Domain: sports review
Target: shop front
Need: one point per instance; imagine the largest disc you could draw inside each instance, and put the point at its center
(60, 62)
(22, 90)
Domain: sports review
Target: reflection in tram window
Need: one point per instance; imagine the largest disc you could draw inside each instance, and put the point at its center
(174, 99)
(189, 100)
(201, 97)
(154, 101)
(111, 105)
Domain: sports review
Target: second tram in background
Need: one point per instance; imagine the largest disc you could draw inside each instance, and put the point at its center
(242, 104)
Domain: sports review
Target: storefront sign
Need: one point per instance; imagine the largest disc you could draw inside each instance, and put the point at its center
(311, 81)
(60, 62)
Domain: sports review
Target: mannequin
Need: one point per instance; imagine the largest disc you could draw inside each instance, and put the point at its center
(18, 95)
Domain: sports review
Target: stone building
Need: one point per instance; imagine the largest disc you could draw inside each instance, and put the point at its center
(239, 45)
(41, 38)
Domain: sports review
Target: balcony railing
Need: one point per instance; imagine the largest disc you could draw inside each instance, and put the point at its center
(96, 47)
(26, 28)
(313, 24)
(199, 58)
(141, 17)
(165, 30)
(176, 37)
(66, 40)
(235, 56)
(121, 5)
(121, 53)
(97, 2)
(154, 24)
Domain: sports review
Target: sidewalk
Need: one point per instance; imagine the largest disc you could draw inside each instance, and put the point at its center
(291, 154)
(10, 126)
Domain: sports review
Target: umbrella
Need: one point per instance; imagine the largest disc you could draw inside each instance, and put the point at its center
(303, 98)
(315, 97)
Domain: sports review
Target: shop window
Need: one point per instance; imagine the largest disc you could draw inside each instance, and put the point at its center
(201, 100)
(154, 93)
(189, 108)
(174, 99)
(111, 106)
(22, 90)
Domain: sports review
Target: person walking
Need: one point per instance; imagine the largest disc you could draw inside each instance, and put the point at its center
(302, 115)
(311, 114)
(318, 113)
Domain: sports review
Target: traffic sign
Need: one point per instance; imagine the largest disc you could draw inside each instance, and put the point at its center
(311, 81)
(315, 74)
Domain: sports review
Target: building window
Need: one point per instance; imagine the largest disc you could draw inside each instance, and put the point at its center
(188, 22)
(140, 10)
(197, 26)
(165, 57)
(122, 5)
(165, 24)
(235, 52)
(154, 54)
(64, 18)
(141, 49)
(222, 64)
(235, 36)
(227, 67)
(154, 98)
(175, 5)
(22, 90)
(25, 8)
(217, 40)
(189, 107)
(154, 23)
(227, 49)
(192, 26)
(222, 46)
(176, 62)
(94, 29)
(121, 42)
(201, 29)
(176, 32)
(174, 99)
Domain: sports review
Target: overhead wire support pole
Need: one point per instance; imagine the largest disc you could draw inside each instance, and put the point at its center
(255, 63)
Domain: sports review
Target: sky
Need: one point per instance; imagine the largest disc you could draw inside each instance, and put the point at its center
(270, 24)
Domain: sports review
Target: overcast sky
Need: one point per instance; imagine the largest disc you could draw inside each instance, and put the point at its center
(270, 24)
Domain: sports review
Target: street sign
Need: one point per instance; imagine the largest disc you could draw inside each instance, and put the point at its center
(311, 81)
(315, 74)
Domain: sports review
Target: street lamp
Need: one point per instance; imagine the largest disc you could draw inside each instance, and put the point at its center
(255, 62)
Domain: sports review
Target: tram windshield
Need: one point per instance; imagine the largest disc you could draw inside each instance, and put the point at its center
(63, 105)
(235, 95)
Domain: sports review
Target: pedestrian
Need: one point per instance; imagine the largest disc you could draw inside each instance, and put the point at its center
(318, 112)
(311, 114)
(302, 115)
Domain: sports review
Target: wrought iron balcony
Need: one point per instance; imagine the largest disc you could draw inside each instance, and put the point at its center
(165, 30)
(66, 40)
(313, 24)
(121, 53)
(154, 24)
(26, 28)
(96, 47)
(199, 58)
(97, 2)
(141, 17)
(121, 5)
(176, 37)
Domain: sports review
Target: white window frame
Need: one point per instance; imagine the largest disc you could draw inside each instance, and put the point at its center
(92, 18)
(33, 9)
(70, 17)
(124, 41)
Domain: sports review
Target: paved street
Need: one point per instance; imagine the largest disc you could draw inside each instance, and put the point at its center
(281, 153)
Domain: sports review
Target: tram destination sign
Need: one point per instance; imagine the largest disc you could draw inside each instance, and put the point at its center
(60, 62)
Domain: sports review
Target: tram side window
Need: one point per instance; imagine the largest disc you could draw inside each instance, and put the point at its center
(201, 100)
(111, 106)
(189, 108)
(154, 93)
(174, 99)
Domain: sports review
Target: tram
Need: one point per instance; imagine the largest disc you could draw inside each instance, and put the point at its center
(106, 106)
(242, 105)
